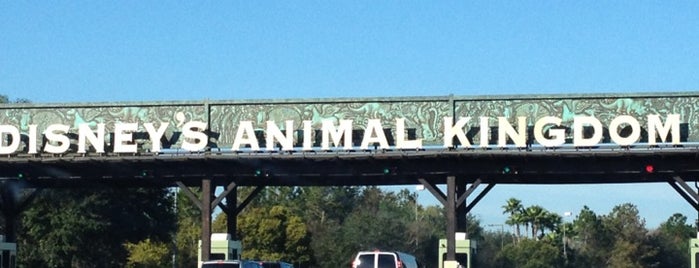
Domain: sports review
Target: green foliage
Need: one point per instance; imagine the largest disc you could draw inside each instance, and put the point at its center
(220, 223)
(536, 217)
(273, 234)
(618, 239)
(188, 232)
(148, 254)
(671, 241)
(530, 253)
(325, 226)
(338, 222)
(5, 99)
(515, 209)
(368, 224)
(80, 227)
(629, 246)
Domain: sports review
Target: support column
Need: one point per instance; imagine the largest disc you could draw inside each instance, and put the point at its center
(206, 219)
(10, 212)
(13, 200)
(450, 208)
(461, 213)
(231, 215)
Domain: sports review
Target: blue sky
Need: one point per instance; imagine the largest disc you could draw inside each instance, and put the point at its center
(100, 51)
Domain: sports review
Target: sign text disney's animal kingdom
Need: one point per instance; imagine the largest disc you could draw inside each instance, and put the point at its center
(548, 131)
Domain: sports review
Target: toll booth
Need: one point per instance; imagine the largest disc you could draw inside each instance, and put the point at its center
(223, 248)
(8, 254)
(464, 250)
(694, 252)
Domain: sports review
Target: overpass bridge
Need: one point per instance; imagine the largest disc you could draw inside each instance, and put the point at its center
(463, 142)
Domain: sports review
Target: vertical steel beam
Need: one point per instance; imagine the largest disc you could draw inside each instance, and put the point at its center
(231, 196)
(13, 200)
(8, 205)
(451, 218)
(206, 219)
(461, 223)
(231, 215)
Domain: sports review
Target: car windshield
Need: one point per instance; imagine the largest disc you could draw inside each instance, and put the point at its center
(386, 261)
(366, 261)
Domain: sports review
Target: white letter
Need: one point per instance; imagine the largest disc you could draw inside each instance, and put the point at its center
(455, 130)
(330, 131)
(32, 139)
(401, 142)
(373, 127)
(307, 134)
(14, 135)
(85, 134)
(505, 129)
(485, 131)
(672, 124)
(123, 136)
(54, 133)
(273, 132)
(557, 134)
(579, 122)
(245, 129)
(156, 135)
(614, 130)
(195, 139)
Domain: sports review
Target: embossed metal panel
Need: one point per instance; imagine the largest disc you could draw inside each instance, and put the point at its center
(424, 116)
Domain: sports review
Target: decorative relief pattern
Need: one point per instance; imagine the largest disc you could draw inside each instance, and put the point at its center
(604, 109)
(175, 115)
(423, 116)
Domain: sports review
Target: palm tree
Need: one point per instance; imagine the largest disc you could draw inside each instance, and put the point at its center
(535, 215)
(514, 208)
(551, 222)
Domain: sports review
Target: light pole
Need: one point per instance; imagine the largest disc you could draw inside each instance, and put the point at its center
(418, 188)
(502, 233)
(565, 253)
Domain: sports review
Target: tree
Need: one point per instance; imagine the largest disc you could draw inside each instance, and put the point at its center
(324, 210)
(188, 231)
(5, 99)
(515, 208)
(147, 253)
(676, 229)
(671, 239)
(550, 221)
(69, 227)
(630, 246)
(534, 214)
(591, 241)
(530, 253)
(489, 247)
(274, 234)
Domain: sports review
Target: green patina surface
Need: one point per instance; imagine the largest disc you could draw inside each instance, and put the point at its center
(423, 114)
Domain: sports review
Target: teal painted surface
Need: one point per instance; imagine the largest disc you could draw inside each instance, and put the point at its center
(423, 114)
(603, 108)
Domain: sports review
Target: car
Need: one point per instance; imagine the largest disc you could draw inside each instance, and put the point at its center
(276, 264)
(230, 264)
(384, 259)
